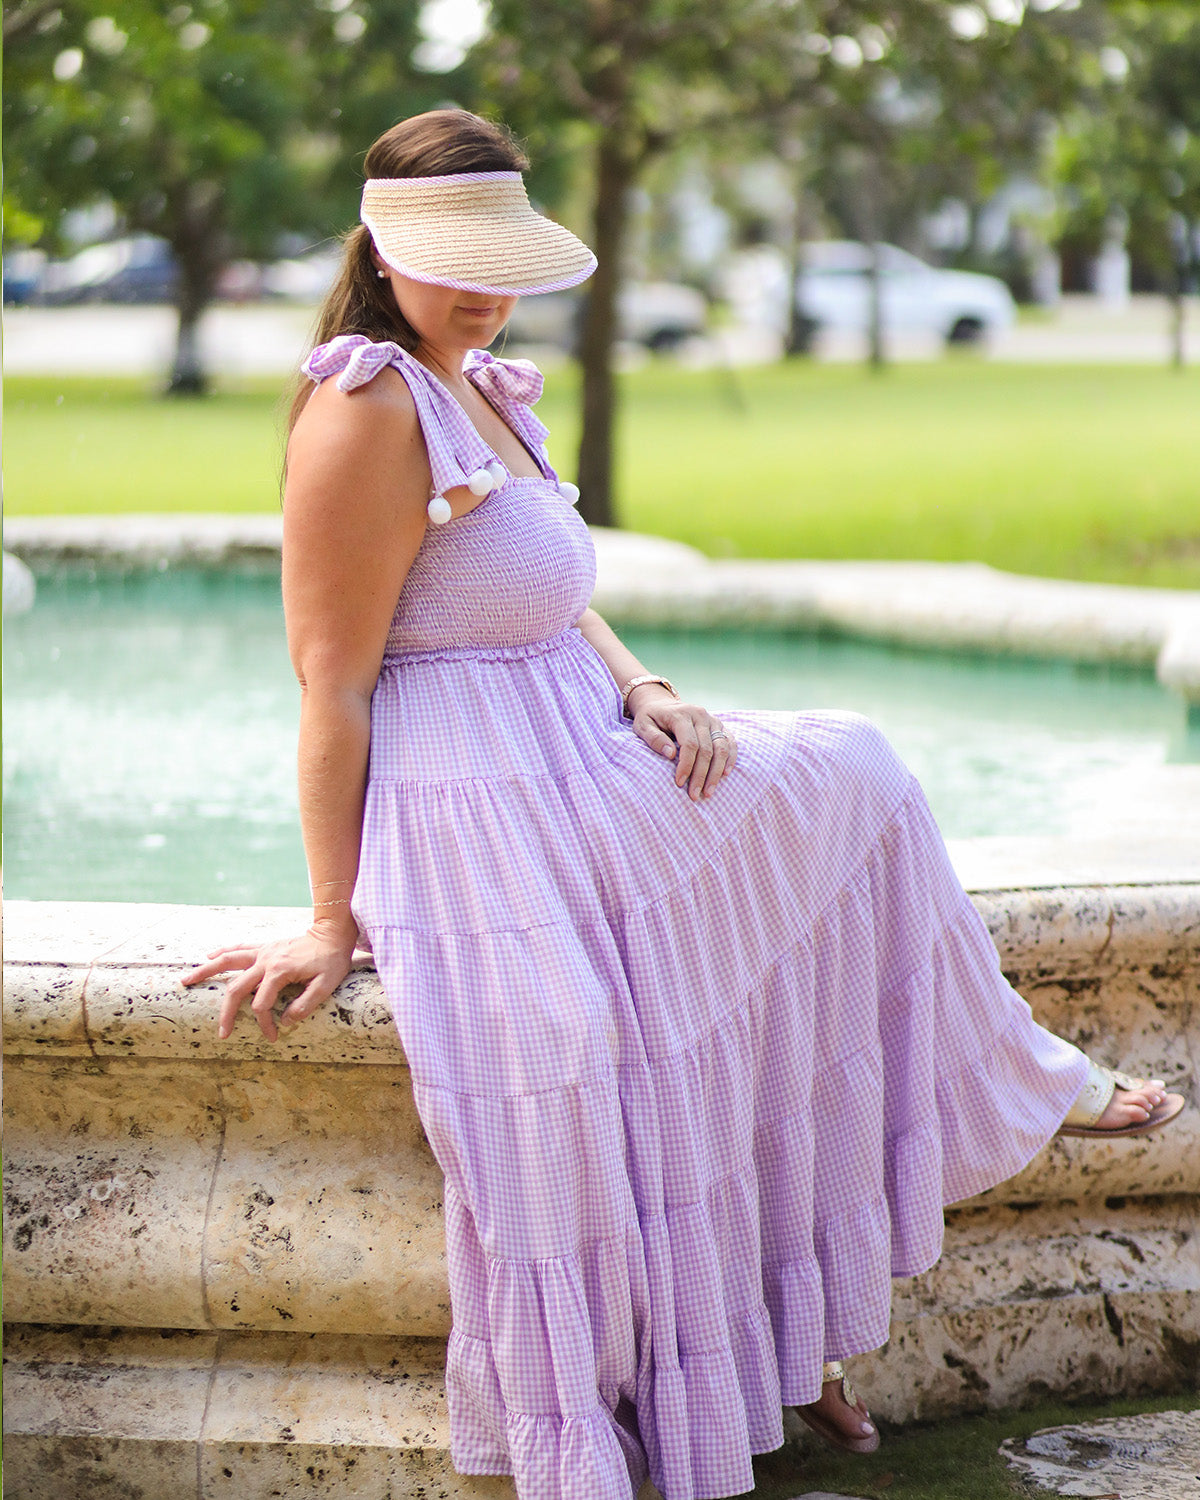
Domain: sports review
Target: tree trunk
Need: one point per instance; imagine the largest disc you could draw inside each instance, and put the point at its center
(866, 206)
(800, 338)
(200, 247)
(876, 354)
(196, 285)
(872, 218)
(1178, 324)
(615, 172)
(1183, 236)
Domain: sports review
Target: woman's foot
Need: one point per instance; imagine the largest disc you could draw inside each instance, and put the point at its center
(839, 1415)
(1133, 1106)
(1112, 1104)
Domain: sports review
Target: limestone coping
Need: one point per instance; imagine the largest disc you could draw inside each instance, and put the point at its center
(650, 580)
(101, 979)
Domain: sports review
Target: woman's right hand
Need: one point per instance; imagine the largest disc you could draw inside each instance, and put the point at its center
(319, 960)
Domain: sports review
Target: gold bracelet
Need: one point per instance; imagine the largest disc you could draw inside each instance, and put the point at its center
(329, 903)
(636, 682)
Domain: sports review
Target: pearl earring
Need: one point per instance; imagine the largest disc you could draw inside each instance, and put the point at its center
(381, 274)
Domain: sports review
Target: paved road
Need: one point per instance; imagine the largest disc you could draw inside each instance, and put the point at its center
(97, 340)
(270, 339)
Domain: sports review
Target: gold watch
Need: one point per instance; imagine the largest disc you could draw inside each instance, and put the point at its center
(636, 682)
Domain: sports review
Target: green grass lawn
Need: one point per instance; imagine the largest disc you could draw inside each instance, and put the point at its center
(1080, 471)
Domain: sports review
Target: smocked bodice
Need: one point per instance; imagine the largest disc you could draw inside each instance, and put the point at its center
(517, 569)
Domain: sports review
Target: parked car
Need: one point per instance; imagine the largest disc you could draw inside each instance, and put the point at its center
(23, 272)
(658, 314)
(303, 278)
(833, 293)
(140, 268)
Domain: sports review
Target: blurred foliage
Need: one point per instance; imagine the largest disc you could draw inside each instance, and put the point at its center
(635, 78)
(173, 114)
(221, 125)
(232, 127)
(938, 102)
(1128, 160)
(884, 107)
(246, 110)
(239, 118)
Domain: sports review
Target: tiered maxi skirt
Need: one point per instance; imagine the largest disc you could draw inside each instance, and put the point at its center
(700, 1077)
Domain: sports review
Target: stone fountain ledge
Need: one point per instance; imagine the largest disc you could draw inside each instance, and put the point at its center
(224, 1268)
(97, 979)
(647, 580)
(1151, 1457)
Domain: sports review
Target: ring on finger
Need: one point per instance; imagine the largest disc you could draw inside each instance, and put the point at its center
(718, 734)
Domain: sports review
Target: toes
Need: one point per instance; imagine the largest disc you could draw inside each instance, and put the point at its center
(1140, 1103)
(854, 1420)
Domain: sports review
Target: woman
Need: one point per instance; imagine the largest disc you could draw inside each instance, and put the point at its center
(669, 985)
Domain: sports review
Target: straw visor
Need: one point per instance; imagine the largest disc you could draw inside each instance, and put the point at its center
(474, 231)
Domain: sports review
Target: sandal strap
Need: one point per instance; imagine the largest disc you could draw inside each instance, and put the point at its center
(1093, 1098)
(834, 1369)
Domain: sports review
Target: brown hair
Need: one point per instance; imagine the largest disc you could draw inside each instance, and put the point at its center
(435, 144)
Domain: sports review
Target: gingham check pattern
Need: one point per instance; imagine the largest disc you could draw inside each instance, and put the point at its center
(700, 1077)
(455, 448)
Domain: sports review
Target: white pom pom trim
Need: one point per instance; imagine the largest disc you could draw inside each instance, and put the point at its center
(439, 510)
(481, 482)
(569, 492)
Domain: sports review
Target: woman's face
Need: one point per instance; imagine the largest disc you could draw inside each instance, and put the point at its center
(444, 318)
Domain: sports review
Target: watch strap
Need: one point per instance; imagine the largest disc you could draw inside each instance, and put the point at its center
(636, 682)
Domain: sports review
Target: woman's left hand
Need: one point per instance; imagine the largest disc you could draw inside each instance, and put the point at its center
(701, 747)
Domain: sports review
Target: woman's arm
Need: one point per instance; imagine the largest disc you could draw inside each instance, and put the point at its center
(354, 517)
(706, 749)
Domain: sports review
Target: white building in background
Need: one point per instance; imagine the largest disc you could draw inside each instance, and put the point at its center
(1111, 268)
(1016, 216)
(704, 230)
(755, 283)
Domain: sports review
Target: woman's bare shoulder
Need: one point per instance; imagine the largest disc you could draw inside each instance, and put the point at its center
(383, 403)
(360, 450)
(343, 438)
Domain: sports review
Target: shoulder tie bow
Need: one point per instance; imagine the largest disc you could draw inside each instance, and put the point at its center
(456, 450)
(518, 379)
(355, 356)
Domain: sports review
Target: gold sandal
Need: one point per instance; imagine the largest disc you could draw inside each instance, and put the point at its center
(830, 1431)
(1094, 1098)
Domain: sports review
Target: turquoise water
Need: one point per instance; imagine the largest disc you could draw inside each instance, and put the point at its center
(150, 725)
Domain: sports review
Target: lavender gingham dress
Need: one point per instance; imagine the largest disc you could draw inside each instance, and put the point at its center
(700, 1076)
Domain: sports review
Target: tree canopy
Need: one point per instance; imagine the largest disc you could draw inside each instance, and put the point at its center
(220, 125)
(223, 125)
(1128, 163)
